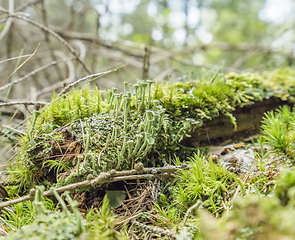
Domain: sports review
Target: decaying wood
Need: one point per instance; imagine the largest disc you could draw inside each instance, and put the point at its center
(221, 129)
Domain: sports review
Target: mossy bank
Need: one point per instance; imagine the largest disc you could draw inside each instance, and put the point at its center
(83, 133)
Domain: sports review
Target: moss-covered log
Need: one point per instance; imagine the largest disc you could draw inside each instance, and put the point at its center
(221, 129)
(81, 134)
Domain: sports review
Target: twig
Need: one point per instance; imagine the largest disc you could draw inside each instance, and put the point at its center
(198, 204)
(70, 65)
(107, 177)
(54, 34)
(82, 79)
(13, 58)
(146, 62)
(21, 133)
(164, 54)
(4, 10)
(21, 64)
(130, 218)
(25, 103)
(50, 48)
(154, 229)
(34, 72)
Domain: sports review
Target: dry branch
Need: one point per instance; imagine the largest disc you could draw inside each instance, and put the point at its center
(27, 4)
(24, 103)
(21, 65)
(107, 177)
(34, 72)
(156, 230)
(54, 34)
(13, 58)
(85, 78)
(80, 80)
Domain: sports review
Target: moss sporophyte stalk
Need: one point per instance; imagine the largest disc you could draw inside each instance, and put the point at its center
(144, 124)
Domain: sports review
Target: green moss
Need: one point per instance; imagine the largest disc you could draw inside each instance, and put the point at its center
(205, 181)
(279, 131)
(285, 189)
(62, 110)
(146, 126)
(251, 217)
(46, 225)
(102, 223)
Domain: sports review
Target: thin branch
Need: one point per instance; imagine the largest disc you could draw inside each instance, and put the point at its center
(107, 177)
(90, 37)
(54, 34)
(80, 80)
(4, 10)
(21, 133)
(70, 65)
(34, 72)
(146, 62)
(45, 22)
(21, 64)
(154, 229)
(13, 58)
(83, 79)
(25, 103)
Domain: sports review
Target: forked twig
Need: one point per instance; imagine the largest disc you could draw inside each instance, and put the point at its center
(34, 72)
(22, 64)
(107, 177)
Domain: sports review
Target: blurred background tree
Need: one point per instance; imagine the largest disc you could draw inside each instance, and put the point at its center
(186, 38)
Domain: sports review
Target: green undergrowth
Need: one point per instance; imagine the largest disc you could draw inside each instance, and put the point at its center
(205, 181)
(144, 123)
(251, 217)
(81, 134)
(101, 224)
(210, 184)
(23, 213)
(279, 129)
(62, 110)
(48, 224)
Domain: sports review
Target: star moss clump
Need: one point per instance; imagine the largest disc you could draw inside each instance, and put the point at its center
(250, 217)
(80, 134)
